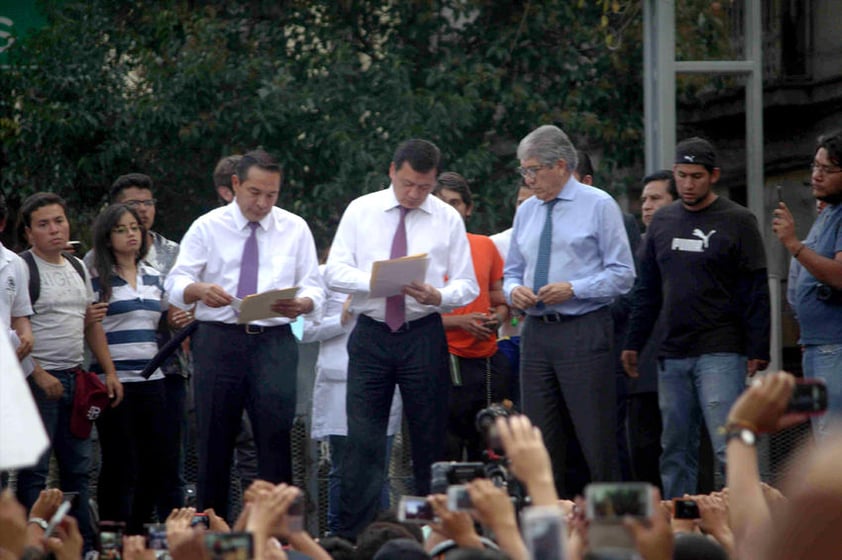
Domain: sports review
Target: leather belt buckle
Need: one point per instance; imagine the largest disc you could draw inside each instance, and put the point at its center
(254, 329)
(552, 318)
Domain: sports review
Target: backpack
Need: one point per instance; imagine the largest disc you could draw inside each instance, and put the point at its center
(35, 276)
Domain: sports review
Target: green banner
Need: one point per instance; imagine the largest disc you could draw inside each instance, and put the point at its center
(17, 17)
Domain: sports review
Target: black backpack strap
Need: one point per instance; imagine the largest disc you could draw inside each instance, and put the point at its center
(35, 276)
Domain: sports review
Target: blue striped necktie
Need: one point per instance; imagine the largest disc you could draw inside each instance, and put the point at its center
(542, 264)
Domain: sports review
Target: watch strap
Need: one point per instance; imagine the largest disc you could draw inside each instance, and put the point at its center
(41, 522)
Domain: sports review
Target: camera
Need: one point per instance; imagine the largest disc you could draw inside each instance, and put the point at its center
(809, 395)
(611, 501)
(485, 424)
(111, 539)
(229, 546)
(685, 508)
(827, 294)
(415, 509)
(200, 519)
(444, 474)
(458, 498)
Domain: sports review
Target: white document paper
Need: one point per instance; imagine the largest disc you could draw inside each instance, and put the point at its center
(22, 436)
(258, 306)
(389, 277)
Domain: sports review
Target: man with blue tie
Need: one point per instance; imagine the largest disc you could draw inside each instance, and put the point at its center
(240, 249)
(569, 258)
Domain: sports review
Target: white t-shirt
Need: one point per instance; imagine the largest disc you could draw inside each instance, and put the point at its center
(14, 287)
(58, 324)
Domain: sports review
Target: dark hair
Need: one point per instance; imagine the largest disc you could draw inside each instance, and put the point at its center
(338, 548)
(584, 167)
(259, 159)
(832, 142)
(4, 209)
(663, 175)
(421, 155)
(127, 181)
(225, 167)
(375, 535)
(104, 260)
(454, 182)
(38, 200)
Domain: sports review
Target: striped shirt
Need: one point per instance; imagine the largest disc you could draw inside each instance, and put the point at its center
(131, 323)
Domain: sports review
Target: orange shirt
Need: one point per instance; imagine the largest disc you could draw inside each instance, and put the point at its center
(488, 267)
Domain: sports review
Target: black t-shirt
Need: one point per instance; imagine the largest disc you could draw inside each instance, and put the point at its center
(708, 270)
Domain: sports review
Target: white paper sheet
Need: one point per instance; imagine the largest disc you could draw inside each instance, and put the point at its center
(389, 277)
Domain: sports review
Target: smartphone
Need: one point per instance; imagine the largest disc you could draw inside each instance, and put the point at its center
(611, 501)
(809, 395)
(200, 519)
(458, 498)
(75, 245)
(295, 514)
(543, 531)
(415, 509)
(229, 546)
(72, 497)
(685, 508)
(156, 536)
(57, 518)
(111, 540)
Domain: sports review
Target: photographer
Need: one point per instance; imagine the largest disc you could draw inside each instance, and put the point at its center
(818, 283)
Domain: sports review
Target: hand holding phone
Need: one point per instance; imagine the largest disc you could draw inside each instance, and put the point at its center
(809, 395)
(57, 518)
(685, 508)
(543, 531)
(458, 498)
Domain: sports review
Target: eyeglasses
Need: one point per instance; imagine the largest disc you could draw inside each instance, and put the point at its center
(122, 230)
(135, 203)
(530, 172)
(825, 169)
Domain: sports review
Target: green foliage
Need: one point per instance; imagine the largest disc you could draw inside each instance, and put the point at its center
(330, 87)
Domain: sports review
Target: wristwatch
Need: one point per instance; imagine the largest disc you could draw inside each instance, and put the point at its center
(39, 521)
(743, 434)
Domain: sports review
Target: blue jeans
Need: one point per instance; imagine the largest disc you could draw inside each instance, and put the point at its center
(690, 389)
(334, 480)
(73, 455)
(824, 361)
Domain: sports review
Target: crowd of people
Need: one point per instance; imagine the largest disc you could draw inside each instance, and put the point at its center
(616, 348)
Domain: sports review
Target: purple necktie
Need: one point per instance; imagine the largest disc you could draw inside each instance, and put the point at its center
(395, 312)
(249, 265)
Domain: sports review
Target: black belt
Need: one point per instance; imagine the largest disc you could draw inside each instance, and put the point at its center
(248, 328)
(406, 327)
(553, 317)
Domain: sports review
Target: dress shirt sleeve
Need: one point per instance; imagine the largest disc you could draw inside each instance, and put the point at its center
(189, 265)
(616, 276)
(330, 326)
(308, 277)
(461, 287)
(342, 272)
(514, 265)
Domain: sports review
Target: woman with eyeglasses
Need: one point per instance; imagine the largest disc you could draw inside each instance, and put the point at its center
(134, 463)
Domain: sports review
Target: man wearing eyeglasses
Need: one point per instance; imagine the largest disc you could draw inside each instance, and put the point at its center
(136, 190)
(569, 258)
(703, 269)
(818, 283)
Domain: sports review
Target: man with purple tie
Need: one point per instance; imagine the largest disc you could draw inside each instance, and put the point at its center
(240, 249)
(398, 340)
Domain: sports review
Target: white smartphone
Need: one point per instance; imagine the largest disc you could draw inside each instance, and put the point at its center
(458, 498)
(611, 501)
(415, 509)
(543, 531)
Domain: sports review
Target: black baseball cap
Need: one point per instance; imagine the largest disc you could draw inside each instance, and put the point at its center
(696, 150)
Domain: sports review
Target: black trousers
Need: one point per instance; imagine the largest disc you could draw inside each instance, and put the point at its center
(139, 457)
(483, 380)
(236, 370)
(568, 390)
(645, 437)
(415, 359)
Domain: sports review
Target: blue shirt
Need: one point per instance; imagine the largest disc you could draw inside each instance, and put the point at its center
(590, 249)
(820, 321)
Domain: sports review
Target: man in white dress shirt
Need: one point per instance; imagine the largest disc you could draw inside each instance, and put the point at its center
(251, 366)
(412, 352)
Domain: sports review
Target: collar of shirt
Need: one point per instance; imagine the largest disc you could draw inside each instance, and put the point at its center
(241, 221)
(391, 202)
